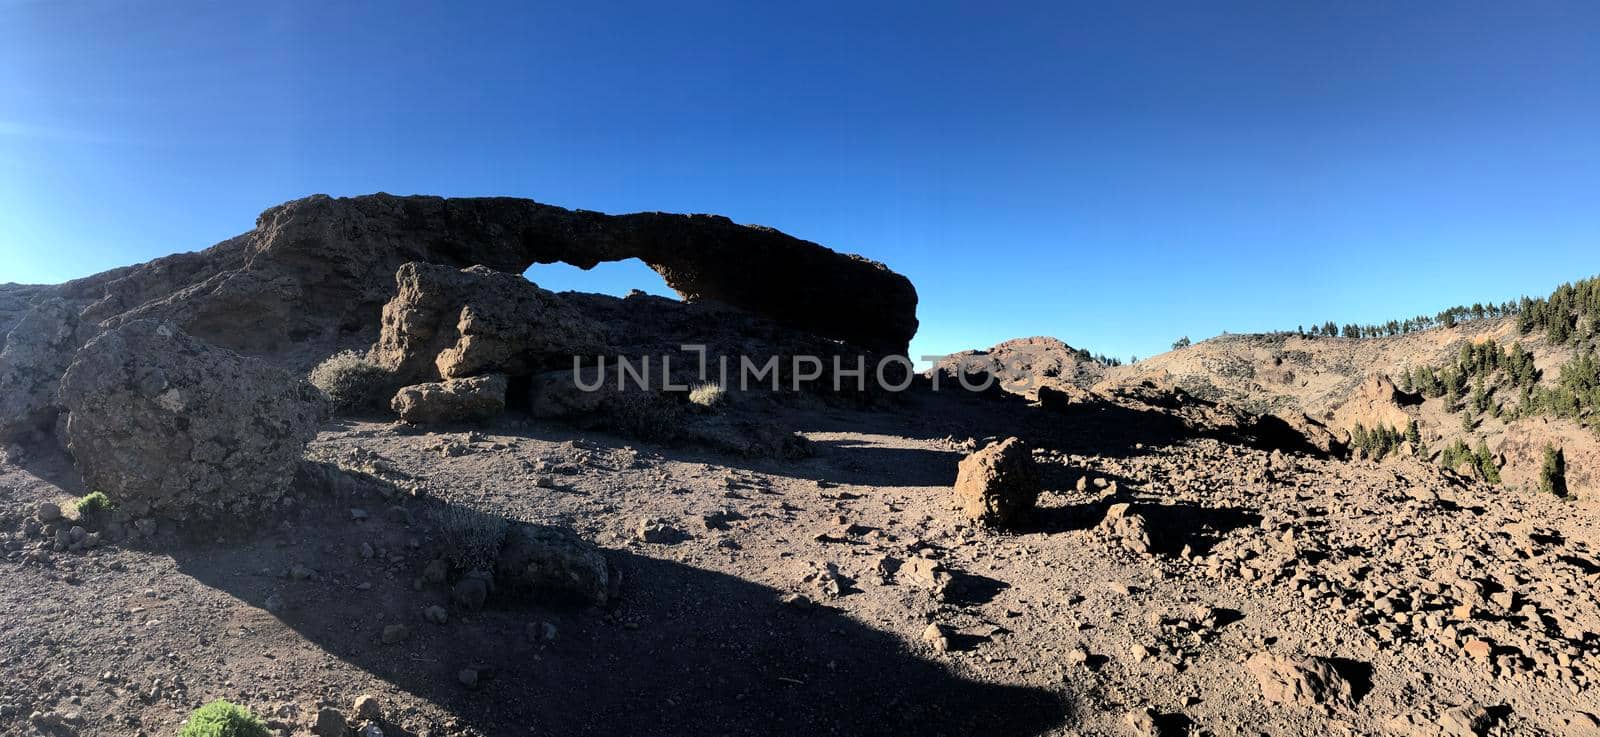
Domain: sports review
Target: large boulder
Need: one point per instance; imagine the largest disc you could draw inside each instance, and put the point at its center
(447, 323)
(453, 401)
(999, 484)
(1307, 681)
(552, 564)
(161, 420)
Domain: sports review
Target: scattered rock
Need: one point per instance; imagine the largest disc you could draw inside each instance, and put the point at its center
(1580, 724)
(48, 512)
(937, 637)
(395, 633)
(1467, 720)
(925, 573)
(1144, 723)
(436, 571)
(1477, 648)
(1128, 527)
(470, 593)
(330, 722)
(659, 531)
(368, 707)
(436, 614)
(1306, 682)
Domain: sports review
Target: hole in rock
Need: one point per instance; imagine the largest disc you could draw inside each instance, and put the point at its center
(615, 278)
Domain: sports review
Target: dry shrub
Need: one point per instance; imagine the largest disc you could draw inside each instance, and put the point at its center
(708, 395)
(470, 539)
(352, 382)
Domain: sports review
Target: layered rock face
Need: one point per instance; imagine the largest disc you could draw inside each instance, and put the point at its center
(164, 423)
(314, 275)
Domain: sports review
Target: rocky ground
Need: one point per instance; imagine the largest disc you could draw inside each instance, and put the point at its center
(1168, 584)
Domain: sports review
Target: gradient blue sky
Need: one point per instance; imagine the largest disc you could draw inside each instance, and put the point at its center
(1116, 174)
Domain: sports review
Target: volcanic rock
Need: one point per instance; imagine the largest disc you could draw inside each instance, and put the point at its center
(162, 420)
(1305, 682)
(998, 484)
(452, 401)
(448, 323)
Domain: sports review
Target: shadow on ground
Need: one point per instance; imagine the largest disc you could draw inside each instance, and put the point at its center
(681, 651)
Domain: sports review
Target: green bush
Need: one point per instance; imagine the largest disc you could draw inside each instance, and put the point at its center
(353, 383)
(94, 507)
(222, 719)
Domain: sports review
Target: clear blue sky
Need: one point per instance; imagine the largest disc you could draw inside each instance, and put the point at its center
(1115, 174)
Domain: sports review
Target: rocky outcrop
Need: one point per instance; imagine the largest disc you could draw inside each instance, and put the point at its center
(1286, 429)
(313, 277)
(161, 421)
(1377, 403)
(999, 484)
(37, 352)
(445, 323)
(454, 400)
(1024, 365)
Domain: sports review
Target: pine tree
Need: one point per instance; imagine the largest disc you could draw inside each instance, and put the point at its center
(1553, 476)
(1414, 437)
(1485, 462)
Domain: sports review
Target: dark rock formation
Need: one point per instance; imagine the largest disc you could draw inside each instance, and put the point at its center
(314, 274)
(445, 323)
(163, 422)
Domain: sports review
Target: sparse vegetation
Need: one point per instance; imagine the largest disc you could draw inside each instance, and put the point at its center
(1571, 311)
(352, 382)
(223, 719)
(1181, 343)
(95, 507)
(470, 539)
(708, 395)
(1104, 360)
(1553, 475)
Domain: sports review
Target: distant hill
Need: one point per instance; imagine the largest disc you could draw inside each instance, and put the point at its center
(1487, 394)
